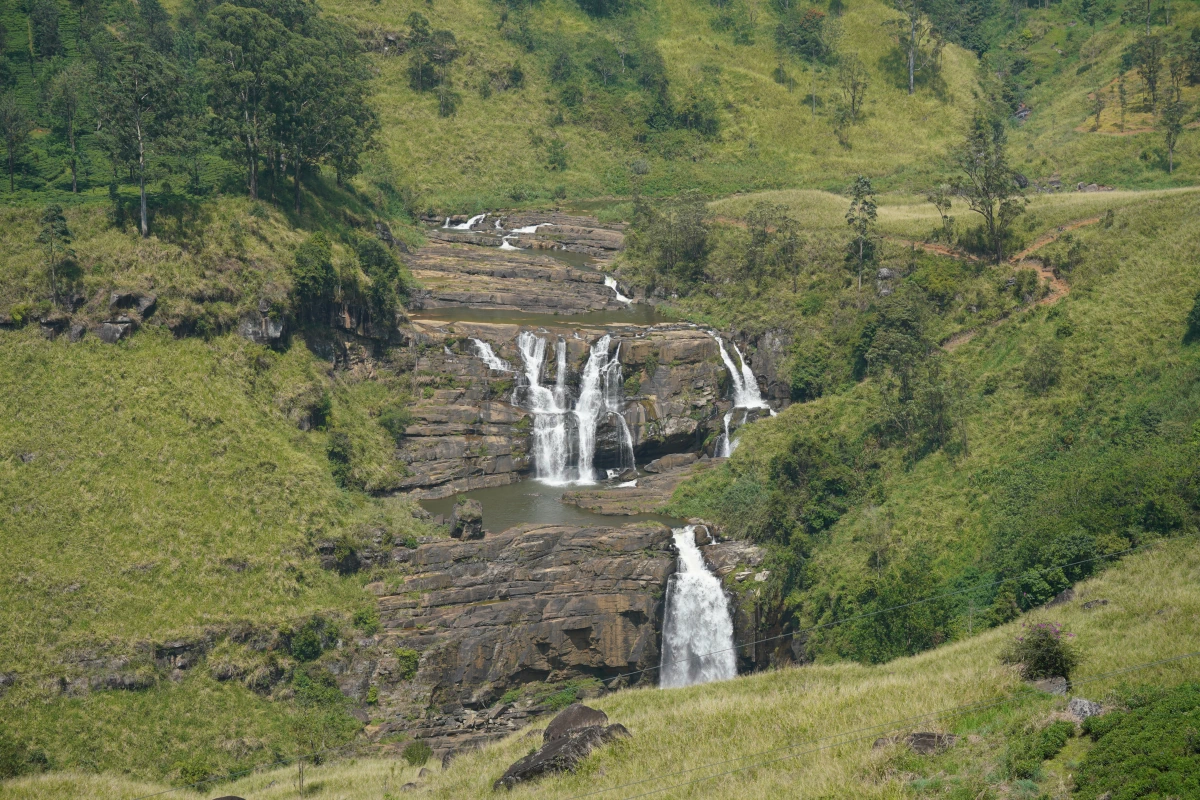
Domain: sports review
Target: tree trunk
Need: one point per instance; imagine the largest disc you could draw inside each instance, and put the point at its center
(11, 169)
(142, 184)
(71, 142)
(296, 168)
(912, 54)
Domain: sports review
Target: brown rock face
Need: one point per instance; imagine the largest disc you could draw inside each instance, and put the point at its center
(533, 604)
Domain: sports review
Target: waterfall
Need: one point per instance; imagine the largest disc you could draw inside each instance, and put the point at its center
(505, 244)
(697, 629)
(465, 226)
(591, 402)
(725, 445)
(599, 397)
(611, 283)
(550, 446)
(745, 385)
(529, 228)
(488, 356)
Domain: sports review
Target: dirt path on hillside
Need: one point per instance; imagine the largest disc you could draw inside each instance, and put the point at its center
(1022, 260)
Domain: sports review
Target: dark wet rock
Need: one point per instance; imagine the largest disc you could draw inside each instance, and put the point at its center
(1020, 180)
(1091, 604)
(573, 717)
(467, 520)
(77, 332)
(1081, 708)
(561, 754)
(670, 462)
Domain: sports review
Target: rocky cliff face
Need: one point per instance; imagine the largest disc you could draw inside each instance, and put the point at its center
(469, 434)
(541, 604)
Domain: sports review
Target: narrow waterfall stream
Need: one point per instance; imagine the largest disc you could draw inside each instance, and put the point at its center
(697, 628)
(745, 395)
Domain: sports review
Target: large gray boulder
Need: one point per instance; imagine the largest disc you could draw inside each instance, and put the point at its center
(570, 738)
(572, 718)
(467, 520)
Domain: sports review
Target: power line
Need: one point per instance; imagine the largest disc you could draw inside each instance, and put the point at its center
(878, 612)
(885, 727)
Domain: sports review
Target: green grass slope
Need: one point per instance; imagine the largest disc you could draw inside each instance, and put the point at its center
(1101, 459)
(809, 731)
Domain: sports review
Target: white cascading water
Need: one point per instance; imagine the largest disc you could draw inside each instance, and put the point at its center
(464, 226)
(550, 445)
(745, 395)
(599, 397)
(505, 244)
(529, 228)
(611, 283)
(488, 356)
(697, 628)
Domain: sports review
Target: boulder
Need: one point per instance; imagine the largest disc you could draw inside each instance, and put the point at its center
(670, 462)
(425, 772)
(77, 332)
(1055, 685)
(926, 743)
(561, 754)
(1062, 598)
(885, 274)
(408, 787)
(143, 303)
(1081, 708)
(467, 520)
(113, 332)
(573, 717)
(1090, 604)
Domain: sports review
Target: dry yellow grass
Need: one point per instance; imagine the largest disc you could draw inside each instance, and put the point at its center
(1153, 613)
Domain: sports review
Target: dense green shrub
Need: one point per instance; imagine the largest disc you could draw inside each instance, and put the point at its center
(395, 419)
(407, 660)
(416, 752)
(1192, 334)
(306, 643)
(314, 280)
(1043, 650)
(1151, 750)
(17, 759)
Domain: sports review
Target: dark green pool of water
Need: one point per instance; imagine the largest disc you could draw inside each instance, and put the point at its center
(529, 501)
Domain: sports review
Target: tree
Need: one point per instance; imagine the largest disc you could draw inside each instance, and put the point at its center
(15, 126)
(243, 67)
(138, 104)
(68, 96)
(1192, 332)
(1170, 122)
(43, 23)
(325, 112)
(913, 29)
(990, 186)
(1098, 104)
(942, 198)
(854, 80)
(54, 236)
(1148, 54)
(861, 217)
(314, 280)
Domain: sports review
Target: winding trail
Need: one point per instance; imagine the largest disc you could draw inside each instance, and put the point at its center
(1058, 287)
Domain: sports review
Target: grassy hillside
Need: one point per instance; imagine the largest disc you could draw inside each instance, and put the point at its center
(154, 491)
(825, 716)
(1075, 436)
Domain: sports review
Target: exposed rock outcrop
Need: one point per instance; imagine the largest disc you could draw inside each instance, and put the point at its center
(467, 520)
(534, 604)
(569, 739)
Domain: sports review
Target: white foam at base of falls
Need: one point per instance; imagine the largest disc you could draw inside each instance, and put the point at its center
(488, 356)
(611, 283)
(505, 244)
(697, 627)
